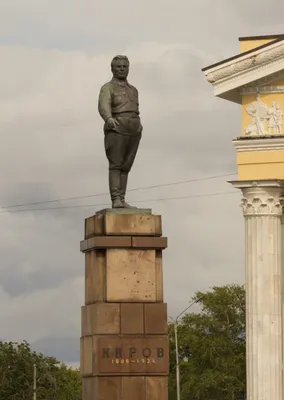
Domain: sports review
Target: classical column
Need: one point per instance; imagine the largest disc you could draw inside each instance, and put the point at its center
(282, 291)
(262, 208)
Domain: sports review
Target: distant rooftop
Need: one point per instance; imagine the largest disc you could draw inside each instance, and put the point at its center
(265, 37)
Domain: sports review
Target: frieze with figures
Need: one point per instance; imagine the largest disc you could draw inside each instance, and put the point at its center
(266, 121)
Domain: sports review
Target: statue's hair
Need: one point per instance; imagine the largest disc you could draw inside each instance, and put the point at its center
(117, 58)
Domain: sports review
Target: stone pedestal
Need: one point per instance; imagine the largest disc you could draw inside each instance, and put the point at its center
(124, 343)
(262, 207)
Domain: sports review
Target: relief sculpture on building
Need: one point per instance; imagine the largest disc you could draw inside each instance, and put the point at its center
(266, 120)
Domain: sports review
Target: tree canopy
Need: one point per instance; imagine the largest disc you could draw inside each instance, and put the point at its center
(54, 380)
(212, 347)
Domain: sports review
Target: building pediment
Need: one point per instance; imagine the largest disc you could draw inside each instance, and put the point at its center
(249, 72)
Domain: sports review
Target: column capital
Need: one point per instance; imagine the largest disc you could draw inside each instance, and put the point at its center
(261, 197)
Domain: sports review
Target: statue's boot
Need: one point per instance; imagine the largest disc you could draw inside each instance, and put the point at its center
(114, 188)
(123, 186)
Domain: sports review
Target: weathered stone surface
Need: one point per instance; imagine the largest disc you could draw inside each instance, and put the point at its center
(126, 388)
(155, 317)
(101, 318)
(156, 388)
(86, 356)
(121, 222)
(131, 275)
(105, 242)
(95, 277)
(132, 224)
(159, 277)
(149, 242)
(123, 275)
(94, 226)
(132, 318)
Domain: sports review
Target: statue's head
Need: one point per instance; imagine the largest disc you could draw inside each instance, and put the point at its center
(120, 67)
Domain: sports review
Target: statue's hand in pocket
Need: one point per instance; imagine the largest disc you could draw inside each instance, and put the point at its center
(111, 123)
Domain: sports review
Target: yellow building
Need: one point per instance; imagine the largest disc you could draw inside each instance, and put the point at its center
(254, 79)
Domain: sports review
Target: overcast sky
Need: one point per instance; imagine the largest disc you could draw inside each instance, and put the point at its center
(55, 55)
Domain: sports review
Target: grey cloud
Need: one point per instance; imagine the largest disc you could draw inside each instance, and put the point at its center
(66, 349)
(263, 16)
(100, 25)
(24, 192)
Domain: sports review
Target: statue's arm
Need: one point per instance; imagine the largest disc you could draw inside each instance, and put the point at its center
(104, 106)
(136, 94)
(250, 111)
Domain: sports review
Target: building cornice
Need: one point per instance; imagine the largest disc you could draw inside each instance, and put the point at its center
(271, 143)
(262, 37)
(260, 183)
(230, 76)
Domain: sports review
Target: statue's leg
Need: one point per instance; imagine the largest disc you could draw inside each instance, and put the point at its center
(114, 188)
(123, 186)
(128, 162)
(115, 152)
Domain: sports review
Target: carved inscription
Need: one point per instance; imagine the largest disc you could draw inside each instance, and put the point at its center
(140, 355)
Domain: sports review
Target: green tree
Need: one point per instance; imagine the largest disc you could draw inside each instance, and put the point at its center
(69, 383)
(212, 347)
(54, 380)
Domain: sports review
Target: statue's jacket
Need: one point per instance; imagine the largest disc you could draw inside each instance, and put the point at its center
(119, 100)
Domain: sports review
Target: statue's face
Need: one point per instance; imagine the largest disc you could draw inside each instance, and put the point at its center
(120, 69)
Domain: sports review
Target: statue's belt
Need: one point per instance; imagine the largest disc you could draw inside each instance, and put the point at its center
(129, 114)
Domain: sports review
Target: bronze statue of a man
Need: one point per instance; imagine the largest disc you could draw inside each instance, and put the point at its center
(119, 108)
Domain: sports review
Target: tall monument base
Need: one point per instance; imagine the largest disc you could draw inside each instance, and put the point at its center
(124, 342)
